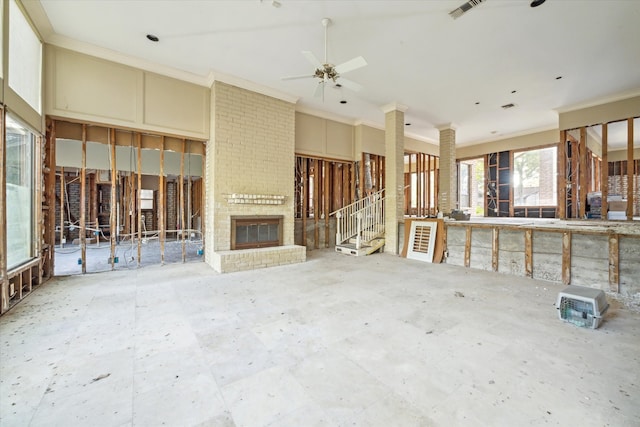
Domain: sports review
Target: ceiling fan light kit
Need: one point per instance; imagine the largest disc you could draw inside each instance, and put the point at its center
(326, 71)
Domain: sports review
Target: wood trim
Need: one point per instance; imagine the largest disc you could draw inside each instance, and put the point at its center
(630, 170)
(495, 248)
(325, 211)
(528, 252)
(566, 258)
(467, 247)
(305, 199)
(316, 202)
(614, 263)
(63, 190)
(604, 172)
(83, 197)
(51, 196)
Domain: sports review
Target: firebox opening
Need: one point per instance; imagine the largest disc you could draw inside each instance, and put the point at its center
(250, 232)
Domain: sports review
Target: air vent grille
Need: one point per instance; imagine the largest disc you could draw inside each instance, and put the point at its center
(457, 13)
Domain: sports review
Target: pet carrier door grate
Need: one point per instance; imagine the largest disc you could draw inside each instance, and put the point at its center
(584, 307)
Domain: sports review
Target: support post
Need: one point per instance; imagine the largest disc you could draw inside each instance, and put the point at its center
(325, 193)
(630, 170)
(161, 188)
(604, 172)
(63, 188)
(305, 199)
(495, 248)
(317, 176)
(181, 197)
(614, 263)
(467, 247)
(139, 204)
(113, 211)
(582, 186)
(528, 252)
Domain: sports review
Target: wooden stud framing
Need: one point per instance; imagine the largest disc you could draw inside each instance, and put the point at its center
(566, 258)
(161, 188)
(203, 200)
(467, 247)
(316, 202)
(528, 253)
(325, 211)
(604, 172)
(582, 170)
(50, 189)
(181, 198)
(630, 170)
(614, 263)
(139, 204)
(63, 188)
(113, 211)
(495, 248)
(83, 197)
(429, 163)
(305, 199)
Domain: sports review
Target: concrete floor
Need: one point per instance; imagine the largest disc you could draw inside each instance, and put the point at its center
(335, 341)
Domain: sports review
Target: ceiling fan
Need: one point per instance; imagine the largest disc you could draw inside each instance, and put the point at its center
(328, 72)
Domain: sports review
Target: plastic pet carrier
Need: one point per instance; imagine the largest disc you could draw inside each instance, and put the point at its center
(584, 307)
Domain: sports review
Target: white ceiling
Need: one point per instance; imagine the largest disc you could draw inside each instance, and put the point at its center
(418, 56)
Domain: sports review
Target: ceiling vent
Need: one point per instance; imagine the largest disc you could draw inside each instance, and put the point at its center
(457, 13)
(507, 106)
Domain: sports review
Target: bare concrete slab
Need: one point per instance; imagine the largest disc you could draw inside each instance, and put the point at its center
(335, 341)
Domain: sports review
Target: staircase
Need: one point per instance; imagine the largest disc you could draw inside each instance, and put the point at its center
(360, 226)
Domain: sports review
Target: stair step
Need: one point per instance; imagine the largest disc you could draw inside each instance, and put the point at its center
(365, 249)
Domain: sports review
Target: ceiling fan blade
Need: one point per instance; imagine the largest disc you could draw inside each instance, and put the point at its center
(305, 76)
(350, 84)
(312, 58)
(319, 92)
(351, 65)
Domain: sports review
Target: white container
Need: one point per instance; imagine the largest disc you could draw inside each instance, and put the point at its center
(582, 306)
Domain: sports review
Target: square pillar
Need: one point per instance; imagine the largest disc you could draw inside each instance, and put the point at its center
(448, 182)
(394, 174)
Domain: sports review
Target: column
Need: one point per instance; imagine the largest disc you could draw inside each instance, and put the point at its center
(448, 195)
(394, 174)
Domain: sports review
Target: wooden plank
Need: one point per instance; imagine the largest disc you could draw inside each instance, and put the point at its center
(181, 198)
(574, 179)
(139, 205)
(113, 211)
(51, 196)
(189, 224)
(428, 201)
(436, 177)
(161, 188)
(495, 248)
(63, 191)
(582, 170)
(566, 258)
(614, 263)
(604, 171)
(203, 201)
(305, 198)
(528, 252)
(326, 193)
(419, 201)
(83, 198)
(630, 170)
(316, 202)
(467, 247)
(4, 280)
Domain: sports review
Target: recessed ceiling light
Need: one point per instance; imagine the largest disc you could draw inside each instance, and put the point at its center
(536, 3)
(493, 132)
(478, 103)
(338, 85)
(407, 124)
(513, 91)
(343, 101)
(558, 78)
(507, 106)
(153, 38)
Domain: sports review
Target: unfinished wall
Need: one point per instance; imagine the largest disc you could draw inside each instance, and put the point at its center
(511, 252)
(252, 153)
(589, 260)
(547, 256)
(629, 252)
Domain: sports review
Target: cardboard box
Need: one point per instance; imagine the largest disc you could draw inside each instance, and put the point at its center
(617, 206)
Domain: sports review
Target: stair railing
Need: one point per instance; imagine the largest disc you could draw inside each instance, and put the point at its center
(364, 214)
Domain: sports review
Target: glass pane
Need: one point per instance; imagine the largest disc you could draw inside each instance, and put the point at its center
(263, 233)
(20, 194)
(25, 58)
(534, 177)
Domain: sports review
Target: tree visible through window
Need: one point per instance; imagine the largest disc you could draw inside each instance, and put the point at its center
(534, 177)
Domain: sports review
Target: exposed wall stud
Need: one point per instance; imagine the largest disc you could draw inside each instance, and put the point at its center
(630, 170)
(113, 211)
(614, 263)
(467, 247)
(495, 247)
(83, 197)
(528, 252)
(566, 258)
(604, 172)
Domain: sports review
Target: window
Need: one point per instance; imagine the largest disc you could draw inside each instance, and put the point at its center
(471, 186)
(534, 177)
(20, 193)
